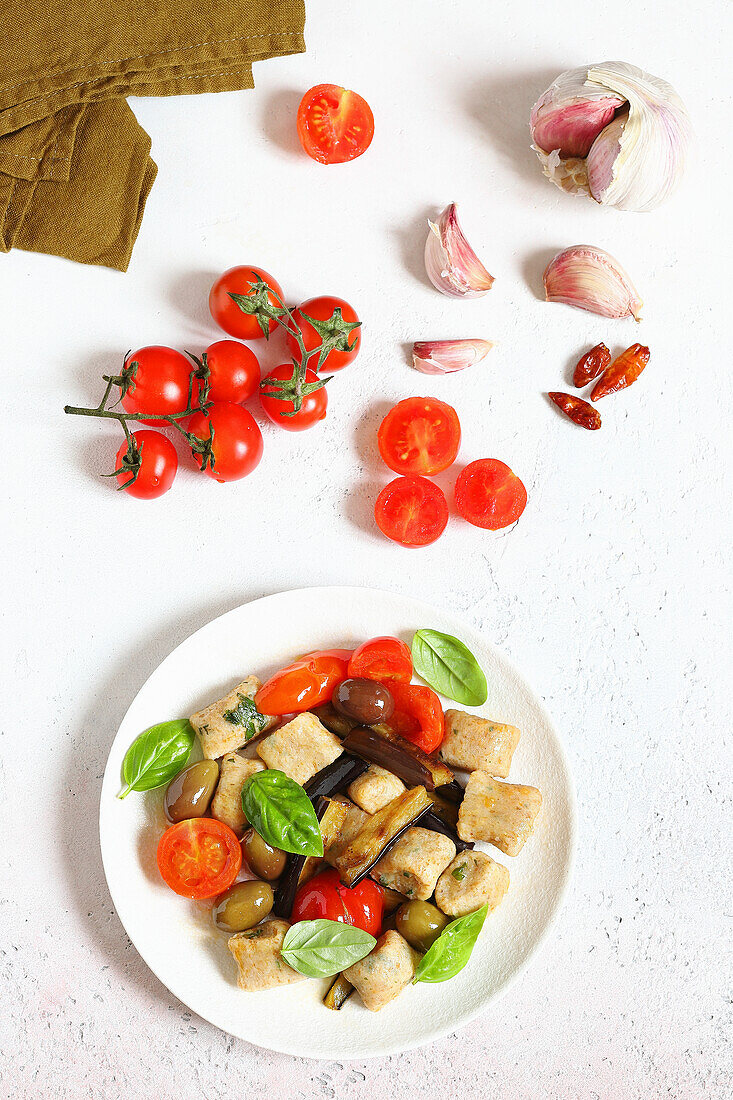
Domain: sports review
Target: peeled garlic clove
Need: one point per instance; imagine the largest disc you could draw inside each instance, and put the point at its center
(447, 356)
(452, 265)
(589, 278)
(631, 156)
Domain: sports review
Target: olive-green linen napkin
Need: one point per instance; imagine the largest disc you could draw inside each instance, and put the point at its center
(75, 167)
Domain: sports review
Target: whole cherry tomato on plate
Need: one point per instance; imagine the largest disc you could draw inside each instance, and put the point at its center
(334, 124)
(324, 897)
(488, 494)
(234, 372)
(280, 410)
(411, 511)
(382, 659)
(330, 323)
(304, 684)
(159, 383)
(158, 466)
(236, 320)
(420, 435)
(237, 446)
(199, 857)
(418, 715)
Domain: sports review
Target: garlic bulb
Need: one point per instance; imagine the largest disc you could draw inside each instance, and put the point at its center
(612, 132)
(452, 265)
(448, 356)
(589, 278)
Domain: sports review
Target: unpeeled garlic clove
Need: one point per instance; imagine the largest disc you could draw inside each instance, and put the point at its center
(613, 132)
(589, 278)
(448, 356)
(452, 265)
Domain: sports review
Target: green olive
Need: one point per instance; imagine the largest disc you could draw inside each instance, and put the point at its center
(243, 906)
(263, 860)
(189, 793)
(420, 923)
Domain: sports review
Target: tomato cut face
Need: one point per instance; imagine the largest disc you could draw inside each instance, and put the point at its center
(418, 715)
(382, 659)
(334, 124)
(199, 858)
(420, 435)
(305, 684)
(488, 494)
(411, 511)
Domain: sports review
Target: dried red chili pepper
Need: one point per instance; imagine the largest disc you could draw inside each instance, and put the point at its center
(590, 365)
(624, 370)
(579, 411)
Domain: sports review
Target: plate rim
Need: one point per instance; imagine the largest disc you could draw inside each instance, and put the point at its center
(566, 875)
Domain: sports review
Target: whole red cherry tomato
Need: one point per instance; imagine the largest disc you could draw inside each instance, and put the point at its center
(305, 684)
(158, 465)
(235, 319)
(420, 435)
(199, 857)
(324, 896)
(320, 324)
(280, 411)
(235, 372)
(488, 494)
(237, 447)
(411, 511)
(383, 659)
(418, 715)
(160, 383)
(334, 124)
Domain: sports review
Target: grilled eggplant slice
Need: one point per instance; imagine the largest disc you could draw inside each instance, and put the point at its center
(335, 777)
(431, 820)
(337, 723)
(328, 812)
(331, 821)
(453, 792)
(338, 993)
(380, 832)
(446, 810)
(403, 759)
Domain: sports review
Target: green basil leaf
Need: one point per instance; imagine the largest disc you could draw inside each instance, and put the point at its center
(320, 948)
(157, 755)
(246, 715)
(282, 813)
(449, 666)
(452, 949)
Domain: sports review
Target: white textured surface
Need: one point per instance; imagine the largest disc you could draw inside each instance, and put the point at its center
(610, 594)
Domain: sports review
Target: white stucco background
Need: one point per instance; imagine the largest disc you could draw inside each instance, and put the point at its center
(610, 594)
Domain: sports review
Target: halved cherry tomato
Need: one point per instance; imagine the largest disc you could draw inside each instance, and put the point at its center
(237, 447)
(225, 311)
(488, 494)
(199, 858)
(334, 124)
(306, 683)
(420, 435)
(418, 715)
(235, 371)
(324, 896)
(334, 332)
(412, 511)
(381, 659)
(160, 383)
(158, 465)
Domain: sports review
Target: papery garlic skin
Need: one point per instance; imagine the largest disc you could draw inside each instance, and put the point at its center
(451, 264)
(448, 356)
(589, 278)
(613, 132)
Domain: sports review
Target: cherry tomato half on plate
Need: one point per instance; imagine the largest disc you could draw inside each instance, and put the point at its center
(334, 124)
(225, 311)
(325, 897)
(305, 684)
(199, 858)
(383, 659)
(235, 372)
(237, 447)
(411, 511)
(279, 409)
(418, 715)
(160, 383)
(158, 466)
(420, 435)
(331, 329)
(488, 494)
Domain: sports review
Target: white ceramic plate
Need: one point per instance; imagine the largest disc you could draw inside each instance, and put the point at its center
(176, 937)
